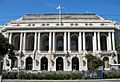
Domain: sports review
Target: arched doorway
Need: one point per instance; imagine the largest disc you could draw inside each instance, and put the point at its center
(29, 63)
(44, 63)
(106, 62)
(59, 64)
(75, 63)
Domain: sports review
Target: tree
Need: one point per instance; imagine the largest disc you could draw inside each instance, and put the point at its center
(93, 62)
(5, 48)
(117, 43)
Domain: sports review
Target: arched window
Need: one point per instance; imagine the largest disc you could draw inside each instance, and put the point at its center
(16, 41)
(75, 63)
(59, 42)
(45, 42)
(74, 42)
(29, 63)
(89, 42)
(44, 63)
(30, 42)
(103, 42)
(59, 64)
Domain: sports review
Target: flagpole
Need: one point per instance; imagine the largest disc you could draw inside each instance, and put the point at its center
(60, 14)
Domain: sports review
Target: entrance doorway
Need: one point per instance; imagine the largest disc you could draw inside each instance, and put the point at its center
(44, 63)
(75, 63)
(59, 64)
(29, 63)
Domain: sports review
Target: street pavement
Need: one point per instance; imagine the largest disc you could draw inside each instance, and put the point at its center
(97, 80)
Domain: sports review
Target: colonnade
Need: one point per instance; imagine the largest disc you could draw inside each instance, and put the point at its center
(67, 41)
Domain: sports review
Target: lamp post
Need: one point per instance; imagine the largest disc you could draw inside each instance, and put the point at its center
(21, 55)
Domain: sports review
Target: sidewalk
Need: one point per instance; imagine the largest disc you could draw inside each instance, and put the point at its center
(96, 80)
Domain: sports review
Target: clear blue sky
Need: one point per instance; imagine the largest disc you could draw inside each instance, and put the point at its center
(13, 9)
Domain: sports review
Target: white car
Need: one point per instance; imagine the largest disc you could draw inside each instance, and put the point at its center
(15, 70)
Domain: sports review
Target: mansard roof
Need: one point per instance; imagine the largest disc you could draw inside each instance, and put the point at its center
(64, 18)
(56, 16)
(67, 20)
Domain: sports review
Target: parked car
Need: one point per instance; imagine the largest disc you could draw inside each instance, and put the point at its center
(15, 70)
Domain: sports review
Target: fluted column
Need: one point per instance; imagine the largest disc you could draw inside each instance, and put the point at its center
(98, 41)
(94, 42)
(113, 41)
(50, 40)
(35, 41)
(24, 41)
(39, 41)
(10, 38)
(64, 41)
(53, 41)
(79, 42)
(21, 41)
(83, 40)
(68, 41)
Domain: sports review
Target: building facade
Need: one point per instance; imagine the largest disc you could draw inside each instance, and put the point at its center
(52, 43)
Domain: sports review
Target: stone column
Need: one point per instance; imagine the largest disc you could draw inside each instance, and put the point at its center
(35, 41)
(109, 41)
(68, 41)
(53, 42)
(10, 38)
(84, 41)
(94, 42)
(39, 41)
(64, 41)
(98, 41)
(113, 41)
(24, 41)
(21, 41)
(50, 40)
(79, 42)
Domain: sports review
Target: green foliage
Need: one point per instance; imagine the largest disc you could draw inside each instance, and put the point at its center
(111, 75)
(118, 45)
(44, 75)
(93, 62)
(4, 45)
(10, 75)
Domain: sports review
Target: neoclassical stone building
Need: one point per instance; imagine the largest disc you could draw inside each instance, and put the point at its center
(52, 43)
